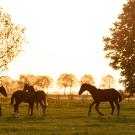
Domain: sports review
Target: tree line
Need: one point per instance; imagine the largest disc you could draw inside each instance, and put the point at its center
(65, 82)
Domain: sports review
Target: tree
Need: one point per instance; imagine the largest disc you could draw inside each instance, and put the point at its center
(87, 79)
(39, 82)
(120, 45)
(44, 82)
(23, 79)
(11, 39)
(107, 81)
(66, 80)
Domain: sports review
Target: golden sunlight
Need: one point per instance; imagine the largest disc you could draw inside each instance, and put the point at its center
(64, 37)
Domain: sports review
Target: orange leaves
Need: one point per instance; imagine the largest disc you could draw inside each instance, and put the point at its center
(12, 36)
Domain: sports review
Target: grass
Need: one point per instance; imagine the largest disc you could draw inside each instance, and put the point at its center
(68, 118)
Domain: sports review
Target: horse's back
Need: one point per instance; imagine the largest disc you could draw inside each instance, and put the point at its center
(40, 93)
(18, 92)
(40, 96)
(23, 96)
(107, 94)
(109, 91)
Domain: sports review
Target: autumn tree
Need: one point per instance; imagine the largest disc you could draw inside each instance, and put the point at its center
(11, 39)
(44, 82)
(120, 45)
(39, 82)
(7, 82)
(107, 81)
(87, 79)
(67, 80)
(23, 78)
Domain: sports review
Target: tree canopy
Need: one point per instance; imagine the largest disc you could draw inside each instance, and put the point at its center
(12, 37)
(120, 45)
(87, 79)
(67, 80)
(107, 81)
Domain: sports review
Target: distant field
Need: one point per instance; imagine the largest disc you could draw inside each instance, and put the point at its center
(66, 117)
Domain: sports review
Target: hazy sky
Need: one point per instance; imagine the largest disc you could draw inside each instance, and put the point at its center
(63, 36)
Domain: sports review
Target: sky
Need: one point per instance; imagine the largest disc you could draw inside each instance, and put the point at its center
(63, 36)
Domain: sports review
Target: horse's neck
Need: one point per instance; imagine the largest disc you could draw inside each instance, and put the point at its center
(93, 91)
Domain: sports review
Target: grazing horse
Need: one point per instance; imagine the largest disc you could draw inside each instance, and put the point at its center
(40, 96)
(28, 95)
(3, 91)
(102, 95)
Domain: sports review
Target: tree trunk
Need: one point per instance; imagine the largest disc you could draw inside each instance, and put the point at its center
(65, 91)
(71, 93)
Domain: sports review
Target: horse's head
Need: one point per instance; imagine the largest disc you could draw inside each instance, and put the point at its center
(83, 88)
(86, 86)
(28, 87)
(3, 91)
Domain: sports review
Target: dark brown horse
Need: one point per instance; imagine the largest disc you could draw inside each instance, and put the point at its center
(29, 97)
(3, 91)
(102, 95)
(40, 96)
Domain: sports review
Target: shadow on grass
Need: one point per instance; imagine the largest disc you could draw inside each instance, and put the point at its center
(115, 119)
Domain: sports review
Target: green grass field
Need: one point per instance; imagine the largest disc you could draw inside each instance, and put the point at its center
(68, 118)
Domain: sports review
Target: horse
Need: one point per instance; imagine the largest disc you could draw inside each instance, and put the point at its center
(40, 96)
(30, 96)
(3, 91)
(102, 95)
(23, 96)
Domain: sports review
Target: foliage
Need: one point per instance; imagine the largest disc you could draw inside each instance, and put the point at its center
(107, 81)
(120, 45)
(44, 82)
(39, 82)
(67, 80)
(87, 79)
(11, 39)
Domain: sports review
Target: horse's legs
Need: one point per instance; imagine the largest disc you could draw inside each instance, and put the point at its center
(29, 110)
(16, 106)
(112, 105)
(118, 106)
(43, 106)
(97, 104)
(31, 106)
(91, 107)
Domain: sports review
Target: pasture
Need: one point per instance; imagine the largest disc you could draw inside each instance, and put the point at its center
(67, 117)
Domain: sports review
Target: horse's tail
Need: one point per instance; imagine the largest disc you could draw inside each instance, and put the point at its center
(12, 99)
(120, 97)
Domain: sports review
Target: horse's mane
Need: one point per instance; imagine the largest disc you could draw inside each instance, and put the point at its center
(93, 87)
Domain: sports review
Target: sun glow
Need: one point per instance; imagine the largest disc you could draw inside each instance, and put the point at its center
(64, 36)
